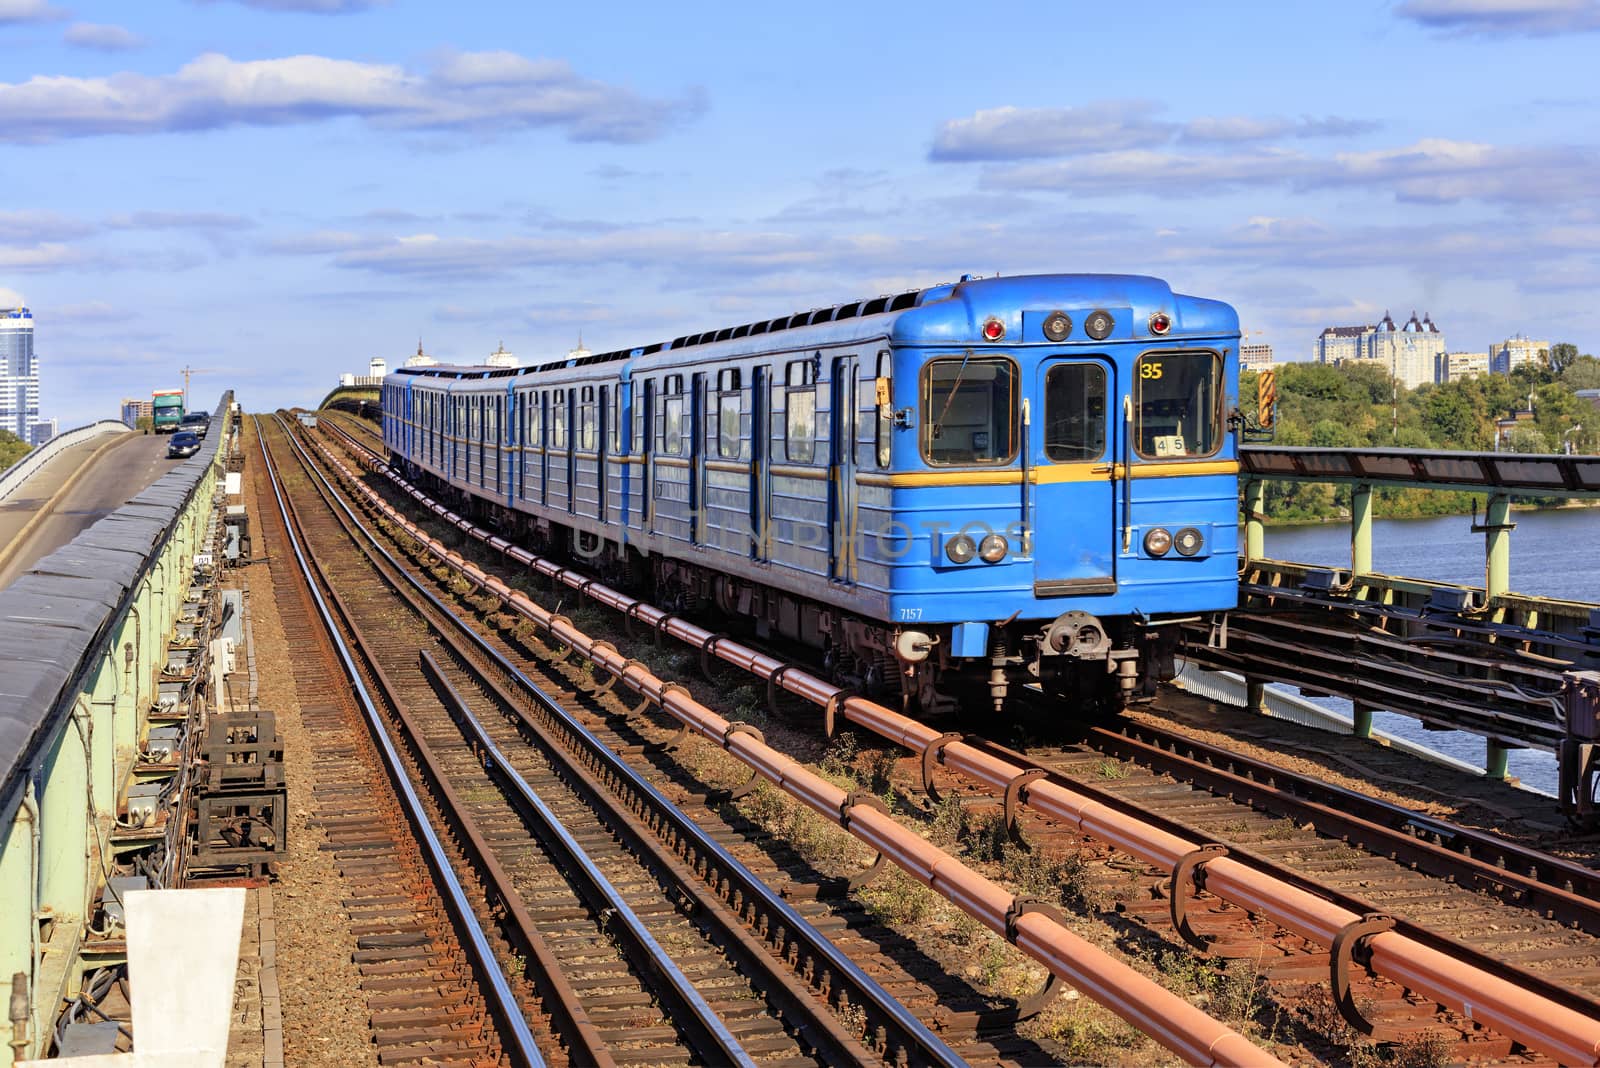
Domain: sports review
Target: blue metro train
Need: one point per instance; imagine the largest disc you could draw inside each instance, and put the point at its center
(950, 492)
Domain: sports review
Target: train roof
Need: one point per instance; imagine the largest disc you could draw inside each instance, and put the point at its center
(951, 312)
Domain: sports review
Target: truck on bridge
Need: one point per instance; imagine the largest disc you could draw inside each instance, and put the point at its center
(166, 410)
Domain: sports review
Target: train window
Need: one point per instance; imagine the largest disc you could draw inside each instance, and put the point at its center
(1075, 412)
(729, 407)
(535, 434)
(588, 433)
(614, 417)
(884, 400)
(1177, 404)
(558, 419)
(728, 410)
(800, 408)
(969, 410)
(672, 426)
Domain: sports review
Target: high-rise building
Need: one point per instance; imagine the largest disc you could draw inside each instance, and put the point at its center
(1508, 355)
(41, 431)
(1255, 357)
(19, 374)
(1463, 365)
(1339, 343)
(135, 410)
(1410, 353)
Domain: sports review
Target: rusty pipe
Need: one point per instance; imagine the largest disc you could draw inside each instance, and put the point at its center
(1531, 1019)
(1169, 1019)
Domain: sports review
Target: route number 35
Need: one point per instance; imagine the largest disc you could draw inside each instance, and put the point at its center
(1150, 370)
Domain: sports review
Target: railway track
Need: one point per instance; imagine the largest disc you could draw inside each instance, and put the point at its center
(766, 1011)
(419, 977)
(1540, 894)
(1273, 824)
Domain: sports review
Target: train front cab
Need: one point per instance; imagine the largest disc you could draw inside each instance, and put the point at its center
(1071, 504)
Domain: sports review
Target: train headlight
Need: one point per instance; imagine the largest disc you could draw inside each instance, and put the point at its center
(1188, 541)
(993, 548)
(1157, 541)
(993, 329)
(1057, 325)
(1160, 323)
(1099, 324)
(960, 549)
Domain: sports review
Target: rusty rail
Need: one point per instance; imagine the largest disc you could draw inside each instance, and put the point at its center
(1536, 1021)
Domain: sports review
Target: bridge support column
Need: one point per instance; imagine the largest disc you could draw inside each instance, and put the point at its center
(1494, 761)
(1361, 529)
(1255, 519)
(1361, 727)
(1497, 545)
(1255, 696)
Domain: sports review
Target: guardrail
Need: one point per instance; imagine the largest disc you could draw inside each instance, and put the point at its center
(83, 639)
(1503, 665)
(15, 475)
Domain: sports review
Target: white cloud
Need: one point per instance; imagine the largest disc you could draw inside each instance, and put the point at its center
(102, 37)
(10, 298)
(1431, 170)
(494, 91)
(1012, 133)
(1037, 133)
(47, 256)
(1535, 18)
(179, 220)
(30, 226)
(12, 11)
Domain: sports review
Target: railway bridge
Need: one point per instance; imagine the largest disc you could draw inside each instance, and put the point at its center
(217, 688)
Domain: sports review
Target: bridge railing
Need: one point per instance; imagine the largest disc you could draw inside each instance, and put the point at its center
(83, 642)
(15, 475)
(1507, 666)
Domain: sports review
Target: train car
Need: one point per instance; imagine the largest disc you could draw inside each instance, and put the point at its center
(950, 493)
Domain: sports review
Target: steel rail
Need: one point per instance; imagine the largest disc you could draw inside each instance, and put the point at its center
(1560, 888)
(690, 1010)
(1557, 992)
(1159, 1013)
(1508, 1007)
(503, 999)
(716, 1037)
(882, 1007)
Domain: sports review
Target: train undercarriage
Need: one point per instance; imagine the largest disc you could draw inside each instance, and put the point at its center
(1096, 665)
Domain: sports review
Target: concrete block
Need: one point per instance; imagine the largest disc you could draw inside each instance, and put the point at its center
(183, 953)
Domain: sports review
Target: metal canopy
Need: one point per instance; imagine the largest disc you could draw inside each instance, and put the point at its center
(1522, 474)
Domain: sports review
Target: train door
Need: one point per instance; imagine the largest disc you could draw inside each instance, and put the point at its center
(1072, 450)
(570, 453)
(647, 453)
(842, 418)
(699, 428)
(602, 457)
(760, 442)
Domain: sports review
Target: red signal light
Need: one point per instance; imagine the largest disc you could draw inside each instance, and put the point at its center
(993, 330)
(1160, 323)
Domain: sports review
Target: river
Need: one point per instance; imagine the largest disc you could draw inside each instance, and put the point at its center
(1554, 553)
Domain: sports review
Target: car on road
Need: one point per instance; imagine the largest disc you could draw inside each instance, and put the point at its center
(198, 422)
(184, 443)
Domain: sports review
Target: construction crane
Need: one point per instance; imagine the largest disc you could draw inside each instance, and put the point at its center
(187, 371)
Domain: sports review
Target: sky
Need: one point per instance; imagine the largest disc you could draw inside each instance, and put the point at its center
(276, 191)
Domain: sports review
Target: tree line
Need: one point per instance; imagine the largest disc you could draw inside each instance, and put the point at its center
(12, 449)
(1359, 405)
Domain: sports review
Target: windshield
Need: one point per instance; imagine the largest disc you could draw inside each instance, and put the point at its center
(969, 410)
(1177, 404)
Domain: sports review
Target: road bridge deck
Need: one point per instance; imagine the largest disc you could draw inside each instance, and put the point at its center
(83, 484)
